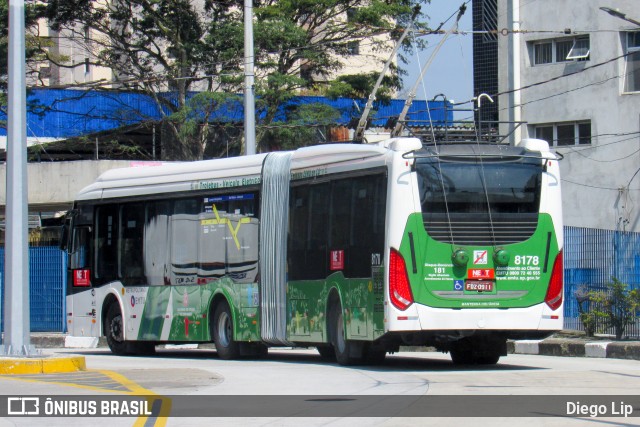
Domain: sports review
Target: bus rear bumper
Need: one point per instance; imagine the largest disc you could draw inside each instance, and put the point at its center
(535, 318)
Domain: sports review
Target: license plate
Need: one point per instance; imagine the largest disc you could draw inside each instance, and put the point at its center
(479, 285)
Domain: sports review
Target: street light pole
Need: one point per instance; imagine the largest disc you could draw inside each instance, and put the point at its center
(249, 101)
(621, 15)
(16, 304)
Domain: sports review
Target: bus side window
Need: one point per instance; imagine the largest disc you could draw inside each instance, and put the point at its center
(106, 237)
(79, 255)
(131, 266)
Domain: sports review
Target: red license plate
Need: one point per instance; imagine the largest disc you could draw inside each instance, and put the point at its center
(479, 285)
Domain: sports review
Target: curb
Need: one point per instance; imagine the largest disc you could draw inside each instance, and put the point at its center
(41, 365)
(559, 347)
(577, 348)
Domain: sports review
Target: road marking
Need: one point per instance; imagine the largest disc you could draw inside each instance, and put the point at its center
(110, 382)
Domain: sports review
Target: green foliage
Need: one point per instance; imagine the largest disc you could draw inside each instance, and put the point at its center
(589, 316)
(301, 127)
(616, 307)
(184, 45)
(34, 44)
(361, 85)
(193, 118)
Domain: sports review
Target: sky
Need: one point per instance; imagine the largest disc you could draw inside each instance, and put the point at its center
(451, 72)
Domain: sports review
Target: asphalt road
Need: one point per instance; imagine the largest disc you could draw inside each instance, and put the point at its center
(196, 380)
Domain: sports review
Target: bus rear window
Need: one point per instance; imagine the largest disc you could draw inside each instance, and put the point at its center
(476, 188)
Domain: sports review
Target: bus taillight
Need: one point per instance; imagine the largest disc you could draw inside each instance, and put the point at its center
(554, 292)
(399, 287)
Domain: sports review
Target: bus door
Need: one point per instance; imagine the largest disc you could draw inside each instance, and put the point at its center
(81, 296)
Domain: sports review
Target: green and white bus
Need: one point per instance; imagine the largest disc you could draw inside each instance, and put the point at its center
(353, 249)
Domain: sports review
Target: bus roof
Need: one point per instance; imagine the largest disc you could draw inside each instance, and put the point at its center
(181, 176)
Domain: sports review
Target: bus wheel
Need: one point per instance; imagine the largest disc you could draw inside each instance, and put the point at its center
(488, 359)
(347, 352)
(462, 352)
(462, 357)
(222, 333)
(375, 356)
(114, 330)
(326, 352)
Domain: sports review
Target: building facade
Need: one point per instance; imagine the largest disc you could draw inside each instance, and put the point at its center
(78, 49)
(572, 72)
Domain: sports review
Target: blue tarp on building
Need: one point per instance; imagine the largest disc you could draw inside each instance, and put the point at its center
(65, 113)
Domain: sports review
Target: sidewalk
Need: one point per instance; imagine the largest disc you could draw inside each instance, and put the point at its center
(563, 344)
(572, 347)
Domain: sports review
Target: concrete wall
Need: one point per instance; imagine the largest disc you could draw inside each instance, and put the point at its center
(597, 191)
(53, 185)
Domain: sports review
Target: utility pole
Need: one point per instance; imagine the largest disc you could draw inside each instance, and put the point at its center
(249, 100)
(17, 340)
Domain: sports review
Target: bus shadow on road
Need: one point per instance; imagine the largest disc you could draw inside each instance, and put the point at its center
(404, 362)
(393, 362)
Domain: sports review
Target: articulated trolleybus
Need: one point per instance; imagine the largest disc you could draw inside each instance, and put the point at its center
(353, 249)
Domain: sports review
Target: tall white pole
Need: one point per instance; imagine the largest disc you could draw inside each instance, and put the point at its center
(514, 71)
(16, 313)
(249, 100)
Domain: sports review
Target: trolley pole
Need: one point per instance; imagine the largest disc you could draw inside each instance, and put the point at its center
(515, 97)
(249, 101)
(16, 303)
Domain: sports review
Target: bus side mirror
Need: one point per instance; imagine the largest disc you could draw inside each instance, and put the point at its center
(64, 232)
(64, 237)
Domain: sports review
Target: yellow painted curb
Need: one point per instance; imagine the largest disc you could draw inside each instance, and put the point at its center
(51, 365)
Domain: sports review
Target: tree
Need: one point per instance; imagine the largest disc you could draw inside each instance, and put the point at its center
(33, 43)
(302, 39)
(618, 305)
(160, 46)
(614, 307)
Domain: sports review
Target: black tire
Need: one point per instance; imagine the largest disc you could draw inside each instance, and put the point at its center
(462, 357)
(375, 356)
(222, 332)
(462, 352)
(114, 330)
(488, 360)
(326, 352)
(475, 352)
(347, 352)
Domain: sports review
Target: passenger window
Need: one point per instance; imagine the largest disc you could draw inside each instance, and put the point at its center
(79, 255)
(131, 267)
(106, 243)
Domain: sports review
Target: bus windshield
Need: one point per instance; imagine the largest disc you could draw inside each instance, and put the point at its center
(479, 187)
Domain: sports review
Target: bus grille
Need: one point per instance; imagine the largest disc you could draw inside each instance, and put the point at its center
(478, 230)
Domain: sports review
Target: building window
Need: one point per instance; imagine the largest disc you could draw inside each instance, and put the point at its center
(579, 50)
(353, 48)
(561, 50)
(543, 53)
(632, 71)
(564, 134)
(545, 132)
